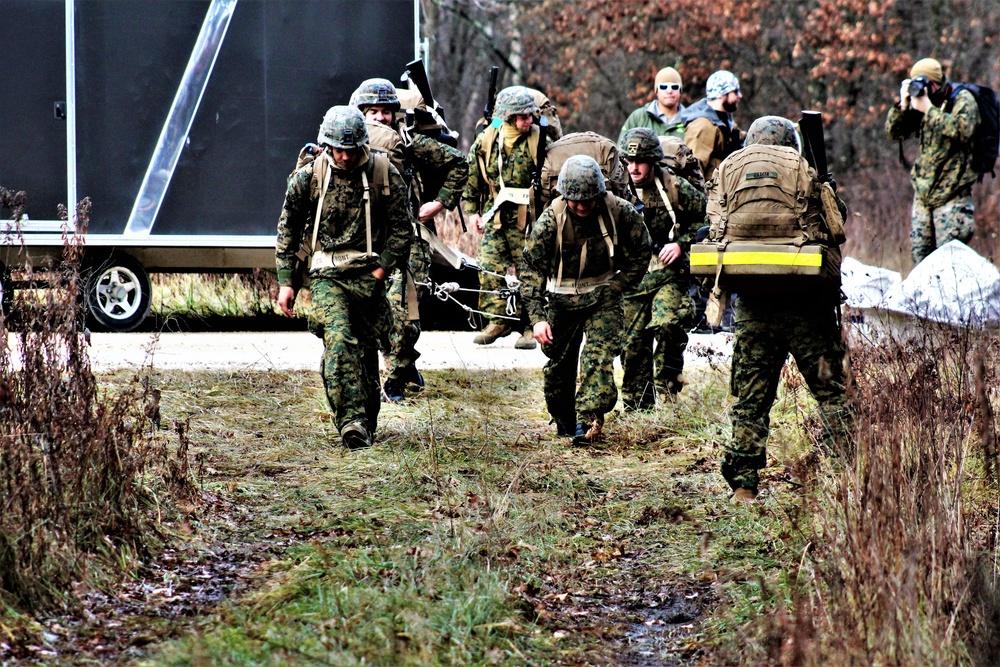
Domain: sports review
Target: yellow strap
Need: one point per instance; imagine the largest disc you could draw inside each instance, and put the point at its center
(740, 257)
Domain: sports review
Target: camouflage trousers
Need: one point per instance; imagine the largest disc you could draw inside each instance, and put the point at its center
(931, 228)
(765, 335)
(401, 352)
(353, 315)
(661, 316)
(597, 393)
(498, 250)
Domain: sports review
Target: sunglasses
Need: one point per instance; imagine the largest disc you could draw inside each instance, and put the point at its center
(670, 86)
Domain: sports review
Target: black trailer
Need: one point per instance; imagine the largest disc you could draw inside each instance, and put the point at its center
(179, 119)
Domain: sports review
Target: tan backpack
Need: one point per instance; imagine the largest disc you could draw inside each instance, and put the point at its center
(767, 223)
(681, 160)
(596, 146)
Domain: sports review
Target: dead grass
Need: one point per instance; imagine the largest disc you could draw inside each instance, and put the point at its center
(77, 458)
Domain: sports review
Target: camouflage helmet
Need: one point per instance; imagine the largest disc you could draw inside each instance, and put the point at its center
(773, 131)
(343, 127)
(640, 144)
(515, 100)
(580, 179)
(375, 93)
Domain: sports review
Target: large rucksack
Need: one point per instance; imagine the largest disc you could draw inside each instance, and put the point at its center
(596, 146)
(681, 160)
(767, 223)
(986, 139)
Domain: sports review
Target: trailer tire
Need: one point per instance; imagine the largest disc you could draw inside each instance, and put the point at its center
(118, 293)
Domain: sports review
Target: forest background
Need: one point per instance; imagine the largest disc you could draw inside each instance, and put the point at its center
(846, 58)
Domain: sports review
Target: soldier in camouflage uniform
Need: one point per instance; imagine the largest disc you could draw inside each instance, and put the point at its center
(945, 119)
(769, 326)
(501, 163)
(585, 251)
(436, 175)
(356, 247)
(659, 309)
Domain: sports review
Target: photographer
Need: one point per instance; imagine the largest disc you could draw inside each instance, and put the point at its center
(945, 120)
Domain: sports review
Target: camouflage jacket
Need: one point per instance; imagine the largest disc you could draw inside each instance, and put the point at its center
(541, 257)
(517, 170)
(443, 171)
(689, 211)
(342, 221)
(943, 169)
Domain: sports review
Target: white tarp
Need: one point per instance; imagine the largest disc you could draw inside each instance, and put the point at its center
(953, 285)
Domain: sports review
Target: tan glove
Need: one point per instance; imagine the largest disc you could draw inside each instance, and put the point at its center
(904, 95)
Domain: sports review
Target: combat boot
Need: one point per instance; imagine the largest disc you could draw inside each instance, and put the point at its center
(393, 391)
(589, 432)
(355, 436)
(526, 341)
(569, 428)
(491, 333)
(744, 495)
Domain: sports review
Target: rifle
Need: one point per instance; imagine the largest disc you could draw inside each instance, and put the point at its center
(416, 73)
(491, 95)
(814, 148)
(536, 178)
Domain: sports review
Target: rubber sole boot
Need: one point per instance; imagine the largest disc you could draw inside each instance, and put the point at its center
(393, 391)
(570, 430)
(744, 496)
(355, 436)
(488, 335)
(588, 434)
(526, 341)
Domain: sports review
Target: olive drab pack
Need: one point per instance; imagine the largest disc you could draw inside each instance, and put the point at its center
(767, 222)
(602, 149)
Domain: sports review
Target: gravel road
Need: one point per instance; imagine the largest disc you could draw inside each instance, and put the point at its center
(252, 351)
(299, 350)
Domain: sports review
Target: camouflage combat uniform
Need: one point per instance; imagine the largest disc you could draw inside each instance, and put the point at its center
(349, 304)
(503, 236)
(797, 317)
(597, 314)
(942, 176)
(441, 173)
(660, 308)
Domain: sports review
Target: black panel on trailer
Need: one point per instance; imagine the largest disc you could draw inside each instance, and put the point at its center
(282, 64)
(32, 81)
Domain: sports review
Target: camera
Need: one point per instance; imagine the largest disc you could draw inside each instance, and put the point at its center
(918, 86)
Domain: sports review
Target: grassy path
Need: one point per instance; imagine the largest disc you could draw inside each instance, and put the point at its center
(470, 534)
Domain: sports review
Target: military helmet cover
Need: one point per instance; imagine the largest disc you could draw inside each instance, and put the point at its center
(375, 93)
(641, 144)
(580, 179)
(773, 131)
(343, 127)
(515, 100)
